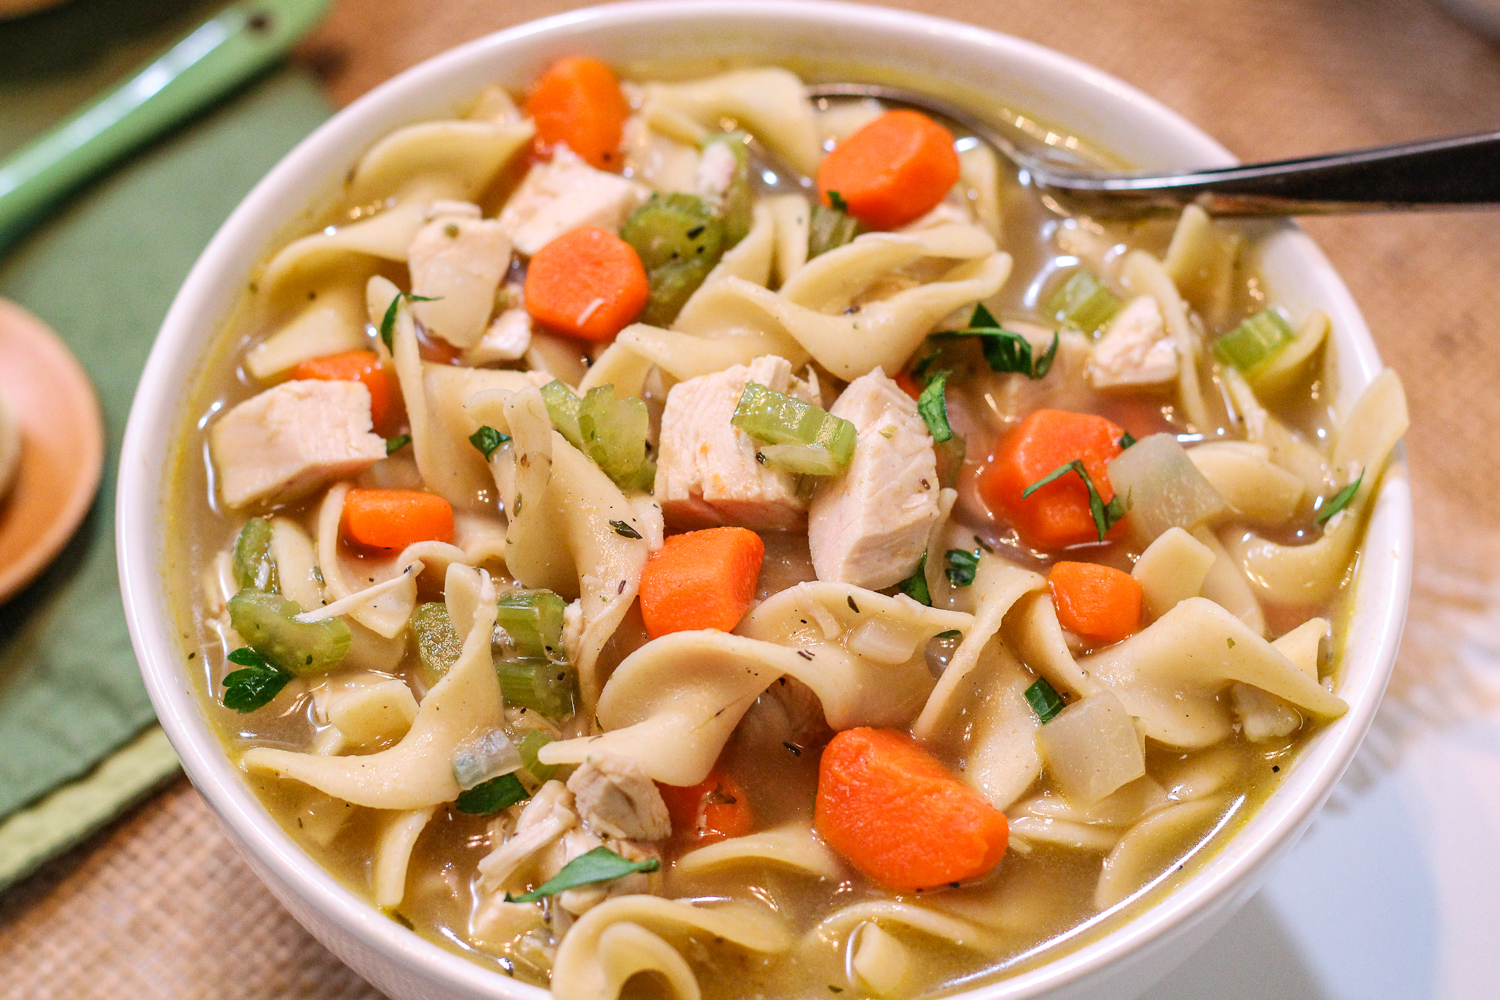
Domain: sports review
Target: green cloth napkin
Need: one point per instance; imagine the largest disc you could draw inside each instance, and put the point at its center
(102, 272)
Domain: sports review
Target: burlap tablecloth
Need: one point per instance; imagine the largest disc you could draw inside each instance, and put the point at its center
(160, 906)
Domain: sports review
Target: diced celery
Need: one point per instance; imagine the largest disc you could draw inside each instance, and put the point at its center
(1255, 341)
(736, 204)
(1083, 302)
(438, 642)
(267, 624)
(533, 741)
(822, 441)
(614, 436)
(563, 407)
(539, 685)
(677, 227)
(254, 565)
(531, 622)
(829, 229)
(672, 285)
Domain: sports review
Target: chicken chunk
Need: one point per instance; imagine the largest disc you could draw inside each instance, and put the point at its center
(869, 527)
(293, 438)
(542, 820)
(564, 194)
(507, 339)
(707, 473)
(456, 261)
(617, 798)
(1135, 348)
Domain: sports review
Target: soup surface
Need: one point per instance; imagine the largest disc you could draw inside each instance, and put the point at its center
(631, 573)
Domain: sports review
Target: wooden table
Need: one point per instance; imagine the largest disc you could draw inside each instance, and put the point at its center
(160, 906)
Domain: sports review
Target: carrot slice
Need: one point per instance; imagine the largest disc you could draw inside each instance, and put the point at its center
(364, 367)
(701, 579)
(1097, 601)
(898, 815)
(1057, 515)
(714, 809)
(578, 103)
(586, 283)
(908, 385)
(892, 171)
(394, 519)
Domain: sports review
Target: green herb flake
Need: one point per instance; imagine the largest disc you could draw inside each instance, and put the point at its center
(599, 865)
(915, 586)
(1006, 350)
(836, 200)
(1126, 440)
(388, 321)
(933, 406)
(952, 633)
(488, 440)
(1044, 700)
(1340, 500)
(490, 797)
(624, 530)
(962, 565)
(395, 444)
(255, 685)
(1105, 514)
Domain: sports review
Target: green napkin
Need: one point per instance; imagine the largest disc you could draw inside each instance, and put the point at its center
(102, 272)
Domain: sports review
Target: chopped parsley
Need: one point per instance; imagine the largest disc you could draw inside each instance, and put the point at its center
(489, 797)
(962, 565)
(599, 865)
(256, 684)
(915, 586)
(1126, 440)
(837, 201)
(952, 633)
(624, 530)
(395, 444)
(933, 406)
(388, 321)
(1005, 350)
(1105, 514)
(487, 440)
(1044, 700)
(1340, 500)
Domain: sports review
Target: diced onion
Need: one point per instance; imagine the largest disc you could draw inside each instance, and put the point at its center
(486, 755)
(1162, 488)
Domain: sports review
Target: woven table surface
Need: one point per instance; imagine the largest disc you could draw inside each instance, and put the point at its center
(159, 905)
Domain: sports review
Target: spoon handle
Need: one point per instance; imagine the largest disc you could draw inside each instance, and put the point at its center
(200, 68)
(1435, 173)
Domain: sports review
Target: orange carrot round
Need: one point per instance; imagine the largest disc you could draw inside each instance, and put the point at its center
(892, 171)
(578, 103)
(1096, 601)
(701, 579)
(714, 809)
(586, 283)
(394, 519)
(1057, 515)
(365, 367)
(898, 815)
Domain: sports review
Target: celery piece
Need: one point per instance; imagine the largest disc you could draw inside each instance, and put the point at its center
(562, 407)
(438, 642)
(614, 436)
(672, 285)
(539, 685)
(532, 623)
(824, 443)
(254, 565)
(1255, 341)
(736, 205)
(677, 227)
(533, 741)
(1083, 302)
(828, 229)
(267, 624)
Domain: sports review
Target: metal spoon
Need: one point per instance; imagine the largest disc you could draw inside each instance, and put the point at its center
(1451, 172)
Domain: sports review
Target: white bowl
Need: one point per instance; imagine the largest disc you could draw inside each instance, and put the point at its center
(1053, 87)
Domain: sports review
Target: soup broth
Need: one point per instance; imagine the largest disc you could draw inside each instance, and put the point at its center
(1029, 546)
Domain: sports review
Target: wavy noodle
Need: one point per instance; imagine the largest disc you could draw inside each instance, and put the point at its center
(1307, 574)
(1149, 846)
(1143, 274)
(963, 933)
(880, 961)
(1242, 472)
(593, 962)
(749, 260)
(385, 615)
(793, 217)
(462, 157)
(1226, 586)
(1036, 636)
(793, 846)
(621, 366)
(1288, 366)
(1201, 262)
(1171, 570)
(688, 355)
(1169, 674)
(349, 254)
(979, 171)
(1001, 759)
(768, 103)
(997, 586)
(393, 849)
(332, 324)
(418, 771)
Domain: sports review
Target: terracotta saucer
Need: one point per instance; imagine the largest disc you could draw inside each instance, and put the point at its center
(62, 446)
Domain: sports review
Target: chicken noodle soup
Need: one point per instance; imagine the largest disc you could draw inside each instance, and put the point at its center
(612, 567)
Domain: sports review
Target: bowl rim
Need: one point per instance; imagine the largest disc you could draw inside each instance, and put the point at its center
(155, 420)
